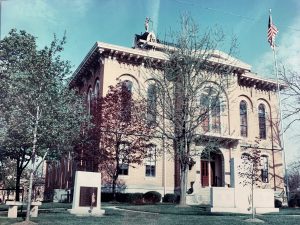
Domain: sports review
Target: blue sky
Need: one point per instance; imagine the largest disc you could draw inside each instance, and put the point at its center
(116, 22)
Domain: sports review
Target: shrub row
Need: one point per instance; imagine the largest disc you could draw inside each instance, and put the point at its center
(134, 198)
(171, 198)
(278, 203)
(294, 200)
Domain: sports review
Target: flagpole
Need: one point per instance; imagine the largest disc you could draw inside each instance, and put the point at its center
(281, 137)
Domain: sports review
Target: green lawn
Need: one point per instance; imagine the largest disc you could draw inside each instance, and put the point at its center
(161, 214)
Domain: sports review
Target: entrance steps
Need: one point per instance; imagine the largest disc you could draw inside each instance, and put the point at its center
(201, 196)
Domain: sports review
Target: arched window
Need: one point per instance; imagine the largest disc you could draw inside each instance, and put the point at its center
(89, 100)
(126, 100)
(243, 118)
(151, 103)
(262, 121)
(127, 85)
(97, 90)
(265, 169)
(210, 110)
(215, 114)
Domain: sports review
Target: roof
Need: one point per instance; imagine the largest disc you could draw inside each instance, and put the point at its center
(251, 79)
(137, 55)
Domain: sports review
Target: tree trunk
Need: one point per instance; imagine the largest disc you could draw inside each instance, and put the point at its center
(252, 201)
(29, 196)
(18, 179)
(33, 163)
(114, 188)
(183, 181)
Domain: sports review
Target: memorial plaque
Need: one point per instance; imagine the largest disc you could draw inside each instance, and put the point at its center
(88, 197)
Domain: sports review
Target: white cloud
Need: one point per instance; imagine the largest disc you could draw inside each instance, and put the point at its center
(288, 50)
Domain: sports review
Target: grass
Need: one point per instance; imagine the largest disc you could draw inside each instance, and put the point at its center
(161, 214)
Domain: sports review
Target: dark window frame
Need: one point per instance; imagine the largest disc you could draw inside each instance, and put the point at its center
(127, 87)
(210, 105)
(150, 162)
(151, 104)
(265, 169)
(123, 167)
(262, 121)
(243, 119)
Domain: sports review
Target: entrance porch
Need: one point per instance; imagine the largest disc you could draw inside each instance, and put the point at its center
(208, 172)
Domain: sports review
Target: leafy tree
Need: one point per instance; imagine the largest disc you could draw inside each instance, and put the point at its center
(250, 172)
(7, 174)
(192, 66)
(124, 133)
(38, 112)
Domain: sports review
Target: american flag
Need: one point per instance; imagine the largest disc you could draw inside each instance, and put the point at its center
(272, 31)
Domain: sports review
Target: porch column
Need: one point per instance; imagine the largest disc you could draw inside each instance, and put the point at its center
(198, 182)
(209, 178)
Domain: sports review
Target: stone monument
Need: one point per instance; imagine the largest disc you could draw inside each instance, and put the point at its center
(87, 194)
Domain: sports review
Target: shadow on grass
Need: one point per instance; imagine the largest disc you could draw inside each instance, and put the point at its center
(175, 210)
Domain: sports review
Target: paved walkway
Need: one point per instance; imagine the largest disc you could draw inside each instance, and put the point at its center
(128, 210)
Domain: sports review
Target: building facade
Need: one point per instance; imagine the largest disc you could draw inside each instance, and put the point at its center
(247, 118)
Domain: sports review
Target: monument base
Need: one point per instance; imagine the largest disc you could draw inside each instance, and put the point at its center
(87, 211)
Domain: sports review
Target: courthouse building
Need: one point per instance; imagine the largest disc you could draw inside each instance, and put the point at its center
(248, 118)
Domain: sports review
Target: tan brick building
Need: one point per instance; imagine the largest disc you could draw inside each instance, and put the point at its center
(249, 113)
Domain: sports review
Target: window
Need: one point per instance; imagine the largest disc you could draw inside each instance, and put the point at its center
(262, 121)
(126, 100)
(245, 156)
(265, 169)
(204, 101)
(89, 100)
(123, 160)
(215, 115)
(97, 90)
(151, 104)
(210, 111)
(150, 161)
(123, 169)
(243, 118)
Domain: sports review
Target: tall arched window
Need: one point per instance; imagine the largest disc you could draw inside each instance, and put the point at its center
(151, 103)
(243, 117)
(89, 100)
(215, 114)
(97, 90)
(126, 100)
(262, 121)
(210, 110)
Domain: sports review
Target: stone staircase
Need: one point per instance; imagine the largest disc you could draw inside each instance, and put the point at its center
(201, 196)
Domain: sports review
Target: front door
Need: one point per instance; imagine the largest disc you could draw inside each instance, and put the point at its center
(204, 173)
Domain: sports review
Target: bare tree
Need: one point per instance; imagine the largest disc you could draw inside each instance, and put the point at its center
(188, 86)
(250, 172)
(294, 176)
(291, 100)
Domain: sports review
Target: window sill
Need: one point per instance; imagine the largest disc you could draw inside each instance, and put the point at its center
(150, 178)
